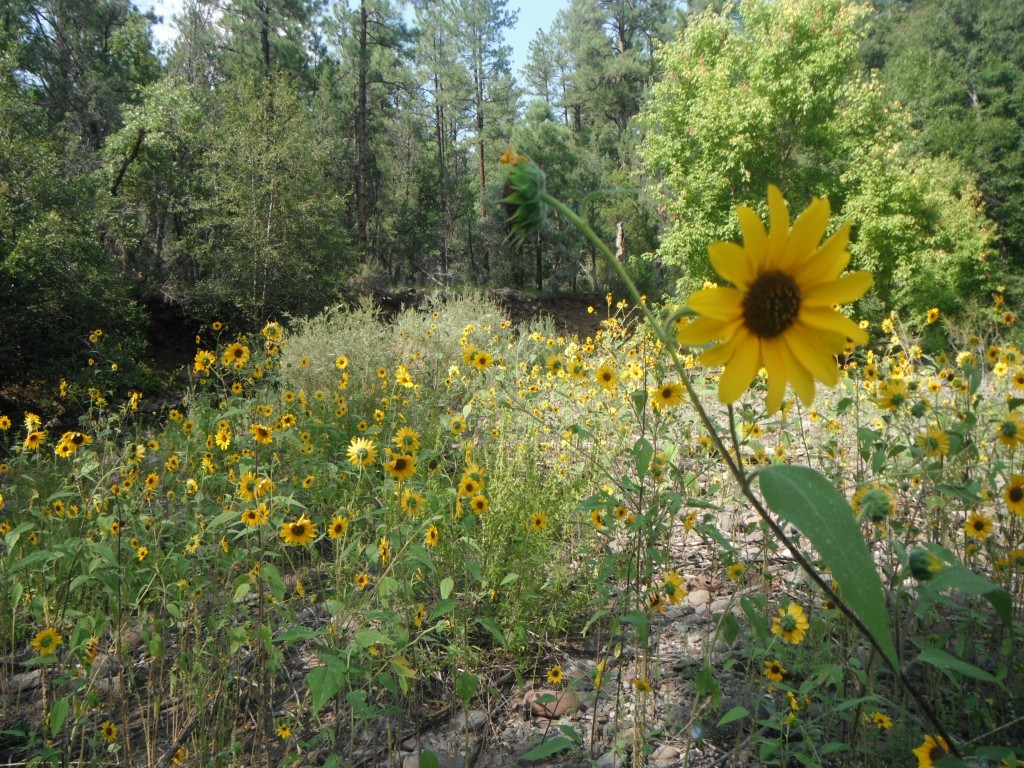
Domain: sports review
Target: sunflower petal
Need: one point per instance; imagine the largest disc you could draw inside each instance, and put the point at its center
(721, 354)
(808, 229)
(704, 330)
(814, 354)
(830, 260)
(731, 262)
(775, 364)
(847, 288)
(719, 303)
(740, 371)
(799, 377)
(779, 228)
(754, 237)
(827, 319)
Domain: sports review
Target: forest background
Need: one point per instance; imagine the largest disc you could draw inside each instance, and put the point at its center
(284, 155)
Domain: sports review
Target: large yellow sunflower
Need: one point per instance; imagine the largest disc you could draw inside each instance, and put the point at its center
(236, 354)
(780, 315)
(407, 439)
(1013, 495)
(1010, 431)
(401, 466)
(46, 642)
(791, 624)
(298, 532)
(362, 452)
(931, 750)
(667, 395)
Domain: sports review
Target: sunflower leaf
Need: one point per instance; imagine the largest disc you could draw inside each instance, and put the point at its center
(546, 749)
(950, 664)
(805, 499)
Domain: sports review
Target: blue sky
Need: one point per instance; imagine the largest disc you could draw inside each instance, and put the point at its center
(533, 15)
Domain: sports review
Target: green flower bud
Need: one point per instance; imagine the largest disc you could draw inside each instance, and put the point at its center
(924, 564)
(876, 505)
(525, 186)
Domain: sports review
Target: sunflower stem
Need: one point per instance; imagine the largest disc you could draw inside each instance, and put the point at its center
(736, 469)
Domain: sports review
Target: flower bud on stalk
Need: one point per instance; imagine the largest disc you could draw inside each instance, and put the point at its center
(924, 564)
(525, 188)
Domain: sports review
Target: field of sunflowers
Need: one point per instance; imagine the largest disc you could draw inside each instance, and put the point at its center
(348, 522)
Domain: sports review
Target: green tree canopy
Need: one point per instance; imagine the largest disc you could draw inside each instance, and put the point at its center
(958, 66)
(266, 238)
(774, 92)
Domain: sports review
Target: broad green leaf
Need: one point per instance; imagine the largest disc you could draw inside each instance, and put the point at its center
(753, 609)
(58, 714)
(292, 634)
(270, 574)
(548, 748)
(805, 499)
(730, 628)
(447, 585)
(366, 637)
(571, 734)
(707, 685)
(325, 682)
(241, 591)
(360, 707)
(947, 663)
(957, 576)
(442, 608)
(834, 746)
(736, 713)
(30, 559)
(492, 626)
(713, 533)
(428, 759)
(643, 452)
(466, 686)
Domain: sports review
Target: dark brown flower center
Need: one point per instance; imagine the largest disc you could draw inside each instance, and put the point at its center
(298, 529)
(1016, 494)
(400, 465)
(772, 304)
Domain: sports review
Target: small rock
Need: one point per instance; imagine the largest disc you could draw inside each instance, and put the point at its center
(410, 744)
(477, 719)
(21, 681)
(564, 701)
(721, 605)
(665, 754)
(698, 597)
(676, 612)
(512, 734)
(611, 759)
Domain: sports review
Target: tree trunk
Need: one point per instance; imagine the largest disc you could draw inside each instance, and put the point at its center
(265, 37)
(478, 78)
(539, 265)
(361, 149)
(441, 175)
